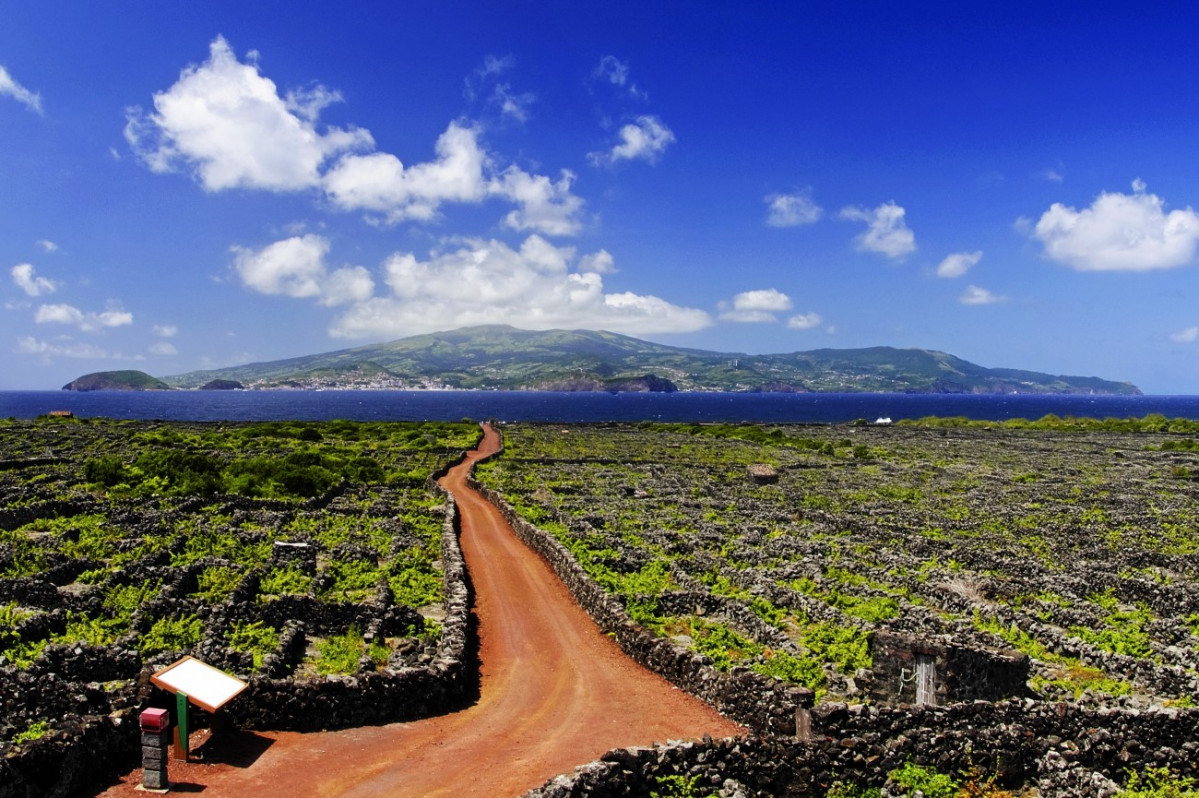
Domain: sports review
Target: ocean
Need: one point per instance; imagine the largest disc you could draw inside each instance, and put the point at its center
(575, 407)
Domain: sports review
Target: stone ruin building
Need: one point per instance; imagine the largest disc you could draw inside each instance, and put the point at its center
(937, 672)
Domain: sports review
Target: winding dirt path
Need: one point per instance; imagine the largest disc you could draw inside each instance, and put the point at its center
(554, 693)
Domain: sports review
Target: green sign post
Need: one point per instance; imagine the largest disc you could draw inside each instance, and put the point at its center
(181, 727)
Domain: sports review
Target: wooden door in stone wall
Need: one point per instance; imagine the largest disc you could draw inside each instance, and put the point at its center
(926, 679)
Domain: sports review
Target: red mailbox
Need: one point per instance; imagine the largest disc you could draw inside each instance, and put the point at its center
(155, 720)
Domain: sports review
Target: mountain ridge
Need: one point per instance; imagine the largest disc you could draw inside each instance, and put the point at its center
(507, 358)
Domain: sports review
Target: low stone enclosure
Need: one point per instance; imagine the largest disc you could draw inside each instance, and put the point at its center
(1109, 609)
(797, 748)
(68, 711)
(1060, 749)
(978, 716)
(99, 690)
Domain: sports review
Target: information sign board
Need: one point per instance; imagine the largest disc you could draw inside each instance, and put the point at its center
(205, 686)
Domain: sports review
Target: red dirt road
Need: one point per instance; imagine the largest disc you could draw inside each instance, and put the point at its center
(554, 693)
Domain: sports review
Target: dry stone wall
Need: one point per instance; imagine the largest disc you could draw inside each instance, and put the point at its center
(370, 696)
(1064, 750)
(761, 703)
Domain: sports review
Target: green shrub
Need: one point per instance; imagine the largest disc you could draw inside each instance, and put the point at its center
(679, 787)
(216, 583)
(845, 647)
(871, 608)
(912, 777)
(353, 580)
(122, 600)
(10, 614)
(1077, 678)
(340, 654)
(93, 631)
(1158, 783)
(797, 670)
(285, 582)
(415, 586)
(172, 634)
(254, 638)
(23, 653)
(93, 577)
(105, 471)
(365, 469)
(181, 472)
(36, 731)
(842, 790)
(724, 645)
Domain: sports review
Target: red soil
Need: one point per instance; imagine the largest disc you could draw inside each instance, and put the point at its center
(554, 693)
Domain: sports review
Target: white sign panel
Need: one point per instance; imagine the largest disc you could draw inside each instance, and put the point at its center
(205, 686)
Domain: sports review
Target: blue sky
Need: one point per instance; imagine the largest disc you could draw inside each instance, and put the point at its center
(190, 186)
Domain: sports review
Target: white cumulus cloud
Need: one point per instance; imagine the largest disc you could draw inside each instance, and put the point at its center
(296, 267)
(958, 264)
(791, 210)
(804, 321)
(974, 295)
(886, 231)
(87, 321)
(163, 348)
(108, 318)
(29, 345)
(228, 122)
(9, 86)
(600, 262)
(25, 278)
(643, 140)
(1188, 336)
(380, 182)
(538, 286)
(755, 306)
(47, 245)
(1119, 232)
(543, 205)
(462, 172)
(165, 330)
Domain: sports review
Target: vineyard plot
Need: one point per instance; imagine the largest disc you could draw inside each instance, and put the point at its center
(1075, 546)
(281, 552)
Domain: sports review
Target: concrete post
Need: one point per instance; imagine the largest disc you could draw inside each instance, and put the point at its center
(156, 738)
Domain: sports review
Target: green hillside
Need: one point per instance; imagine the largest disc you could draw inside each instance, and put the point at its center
(501, 357)
(128, 380)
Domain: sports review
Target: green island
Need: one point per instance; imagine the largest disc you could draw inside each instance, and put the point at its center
(500, 357)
